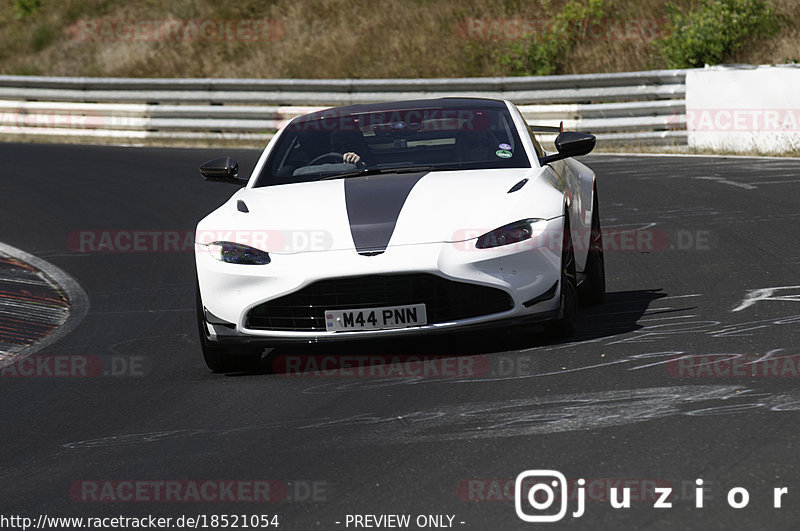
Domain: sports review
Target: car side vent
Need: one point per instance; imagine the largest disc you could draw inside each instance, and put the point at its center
(241, 206)
(517, 186)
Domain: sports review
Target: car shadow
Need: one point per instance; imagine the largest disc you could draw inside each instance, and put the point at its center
(619, 314)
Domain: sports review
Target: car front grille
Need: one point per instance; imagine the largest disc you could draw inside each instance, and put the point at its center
(445, 300)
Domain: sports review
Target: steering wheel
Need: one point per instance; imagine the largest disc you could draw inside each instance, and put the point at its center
(325, 156)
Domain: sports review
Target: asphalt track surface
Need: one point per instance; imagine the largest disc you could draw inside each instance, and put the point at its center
(707, 234)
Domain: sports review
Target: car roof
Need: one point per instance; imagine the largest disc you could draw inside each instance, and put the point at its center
(434, 103)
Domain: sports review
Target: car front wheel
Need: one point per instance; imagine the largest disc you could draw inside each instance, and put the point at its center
(568, 308)
(223, 358)
(594, 288)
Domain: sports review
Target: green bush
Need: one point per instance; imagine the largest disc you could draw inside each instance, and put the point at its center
(23, 8)
(713, 32)
(545, 53)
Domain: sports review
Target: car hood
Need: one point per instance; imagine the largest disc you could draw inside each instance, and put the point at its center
(371, 213)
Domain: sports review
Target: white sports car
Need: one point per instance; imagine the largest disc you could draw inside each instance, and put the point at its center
(400, 218)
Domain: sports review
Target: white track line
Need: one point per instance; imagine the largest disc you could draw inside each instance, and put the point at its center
(78, 300)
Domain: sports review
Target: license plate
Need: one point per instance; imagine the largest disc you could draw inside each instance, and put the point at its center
(376, 318)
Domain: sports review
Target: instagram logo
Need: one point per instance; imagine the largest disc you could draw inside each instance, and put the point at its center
(538, 491)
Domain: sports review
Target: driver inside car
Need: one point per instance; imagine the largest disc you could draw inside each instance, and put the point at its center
(350, 144)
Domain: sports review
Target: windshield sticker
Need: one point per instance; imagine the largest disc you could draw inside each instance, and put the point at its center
(507, 147)
(503, 153)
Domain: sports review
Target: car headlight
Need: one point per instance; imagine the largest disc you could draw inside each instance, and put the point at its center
(237, 253)
(507, 234)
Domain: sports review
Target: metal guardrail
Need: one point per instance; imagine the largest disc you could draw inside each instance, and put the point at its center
(630, 108)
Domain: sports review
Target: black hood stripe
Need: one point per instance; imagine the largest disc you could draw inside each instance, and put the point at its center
(373, 206)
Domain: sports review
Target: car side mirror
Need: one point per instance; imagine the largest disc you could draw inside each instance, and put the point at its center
(570, 144)
(224, 169)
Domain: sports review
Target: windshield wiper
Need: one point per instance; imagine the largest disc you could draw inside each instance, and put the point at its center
(378, 171)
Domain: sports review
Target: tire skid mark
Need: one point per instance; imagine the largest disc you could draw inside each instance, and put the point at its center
(499, 419)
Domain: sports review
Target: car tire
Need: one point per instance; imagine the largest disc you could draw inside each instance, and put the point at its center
(594, 287)
(227, 358)
(565, 325)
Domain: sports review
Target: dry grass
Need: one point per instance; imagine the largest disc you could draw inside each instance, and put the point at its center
(335, 39)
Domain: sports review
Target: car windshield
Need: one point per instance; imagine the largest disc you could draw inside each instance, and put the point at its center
(334, 144)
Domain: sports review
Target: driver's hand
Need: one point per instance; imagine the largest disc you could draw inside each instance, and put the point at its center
(352, 158)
